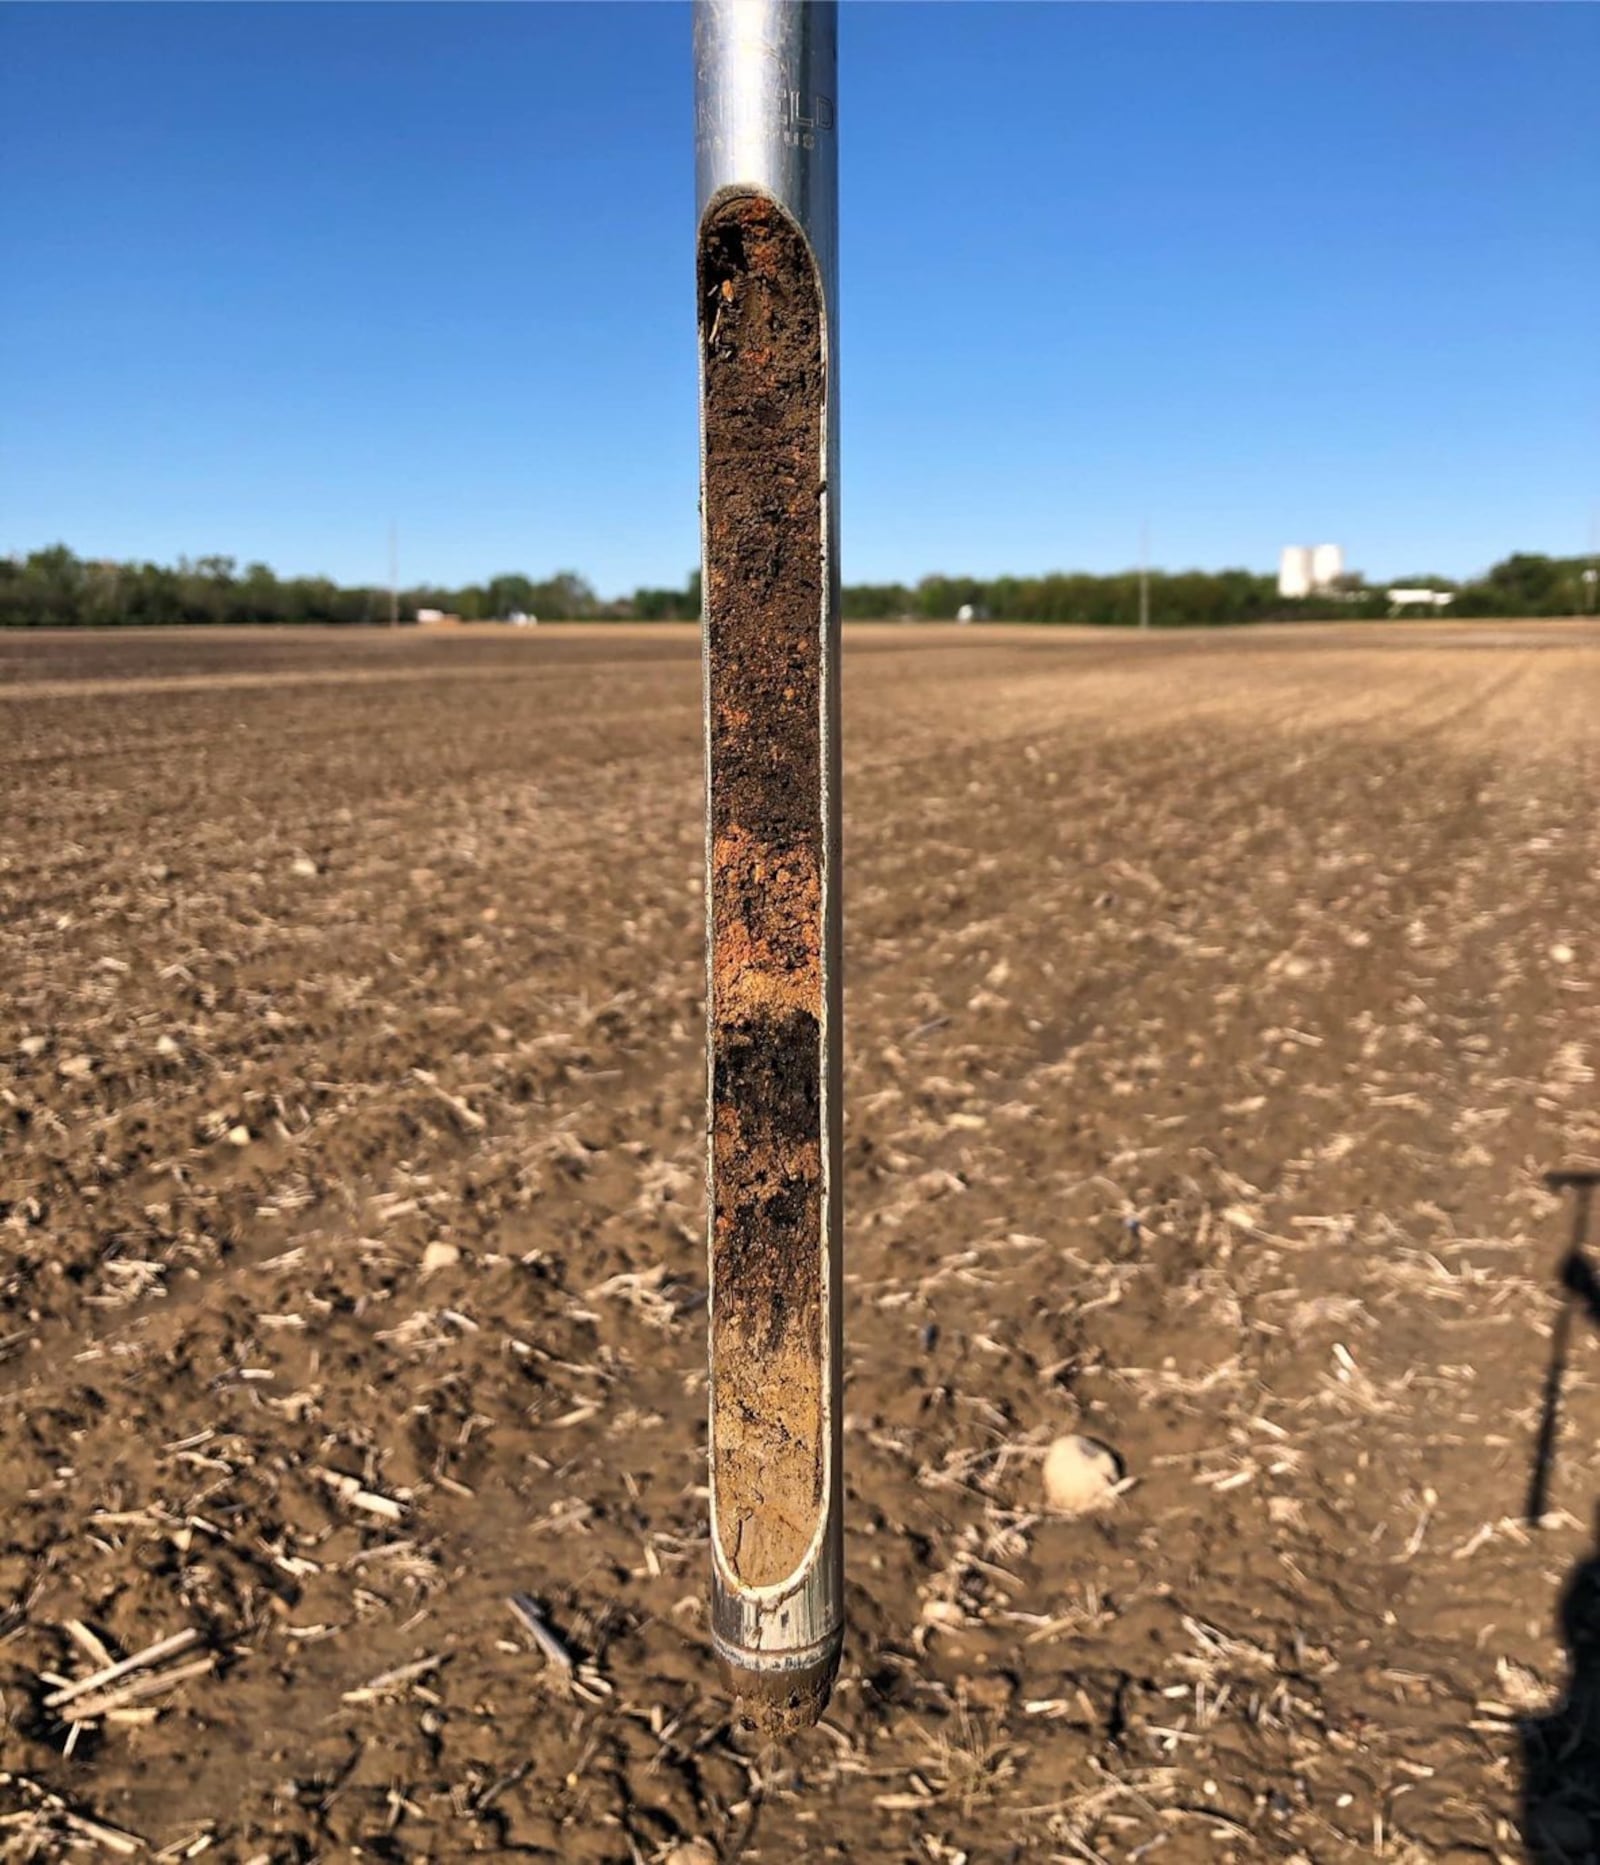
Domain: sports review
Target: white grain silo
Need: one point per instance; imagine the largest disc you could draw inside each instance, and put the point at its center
(1294, 571)
(1327, 566)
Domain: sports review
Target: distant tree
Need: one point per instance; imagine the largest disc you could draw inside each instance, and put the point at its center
(511, 594)
(865, 602)
(260, 597)
(659, 605)
(667, 605)
(567, 596)
(1526, 583)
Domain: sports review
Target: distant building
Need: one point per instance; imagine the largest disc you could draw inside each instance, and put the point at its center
(1418, 599)
(437, 618)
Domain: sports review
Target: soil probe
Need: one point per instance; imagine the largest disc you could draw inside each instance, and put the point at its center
(767, 256)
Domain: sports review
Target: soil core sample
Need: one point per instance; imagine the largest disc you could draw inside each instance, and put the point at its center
(761, 330)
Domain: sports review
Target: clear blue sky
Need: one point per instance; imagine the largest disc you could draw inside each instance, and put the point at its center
(275, 275)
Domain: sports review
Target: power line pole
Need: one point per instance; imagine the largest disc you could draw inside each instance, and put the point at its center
(1591, 579)
(394, 574)
(1144, 573)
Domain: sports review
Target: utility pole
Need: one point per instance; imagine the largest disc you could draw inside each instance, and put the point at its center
(394, 574)
(1144, 573)
(766, 165)
(1591, 577)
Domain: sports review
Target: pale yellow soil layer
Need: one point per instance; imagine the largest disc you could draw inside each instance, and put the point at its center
(1217, 1005)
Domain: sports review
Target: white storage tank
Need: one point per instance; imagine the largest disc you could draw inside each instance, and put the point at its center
(1294, 571)
(1327, 565)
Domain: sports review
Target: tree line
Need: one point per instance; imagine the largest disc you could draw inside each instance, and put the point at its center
(56, 588)
(1525, 583)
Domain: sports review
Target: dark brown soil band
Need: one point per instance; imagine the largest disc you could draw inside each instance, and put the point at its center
(764, 392)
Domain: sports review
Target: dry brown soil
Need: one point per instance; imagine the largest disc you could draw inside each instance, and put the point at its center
(1217, 1005)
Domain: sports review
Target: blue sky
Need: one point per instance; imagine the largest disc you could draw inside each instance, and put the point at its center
(278, 275)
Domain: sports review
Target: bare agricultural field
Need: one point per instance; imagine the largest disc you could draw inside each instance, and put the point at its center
(1217, 1006)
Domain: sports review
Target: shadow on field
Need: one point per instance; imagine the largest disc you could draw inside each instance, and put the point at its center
(1561, 1750)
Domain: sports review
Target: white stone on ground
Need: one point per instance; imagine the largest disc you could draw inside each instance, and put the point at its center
(1079, 1473)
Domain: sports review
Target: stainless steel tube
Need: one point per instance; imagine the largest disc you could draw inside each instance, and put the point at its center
(767, 258)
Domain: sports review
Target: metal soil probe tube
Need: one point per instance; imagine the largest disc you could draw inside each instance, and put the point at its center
(767, 188)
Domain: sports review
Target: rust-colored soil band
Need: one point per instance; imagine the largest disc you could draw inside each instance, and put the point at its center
(764, 393)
